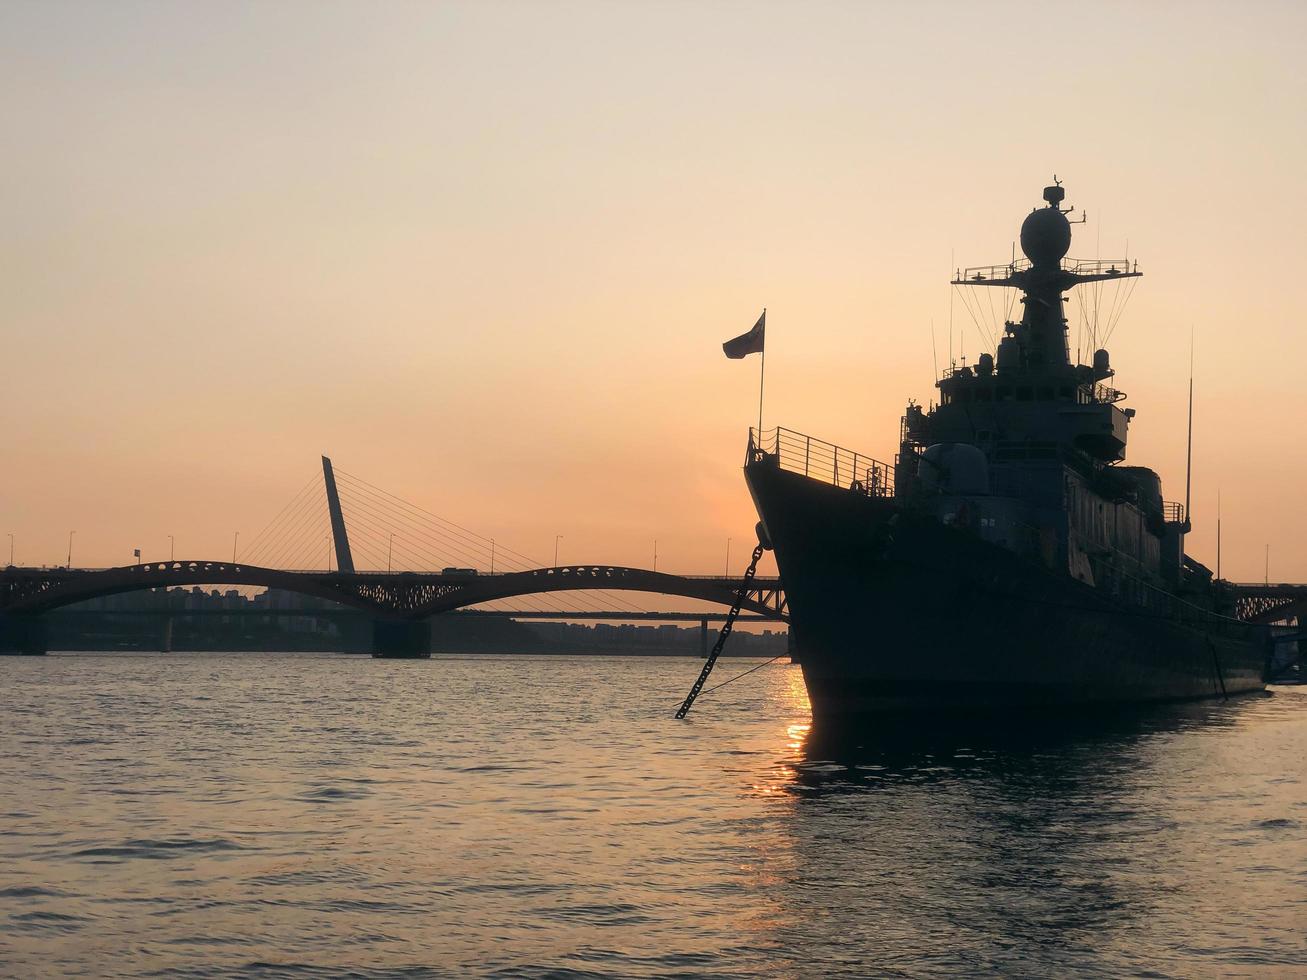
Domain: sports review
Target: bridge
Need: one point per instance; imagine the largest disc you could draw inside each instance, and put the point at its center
(400, 602)
(396, 595)
(1270, 602)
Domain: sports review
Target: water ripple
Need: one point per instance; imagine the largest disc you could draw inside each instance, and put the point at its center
(157, 850)
(202, 816)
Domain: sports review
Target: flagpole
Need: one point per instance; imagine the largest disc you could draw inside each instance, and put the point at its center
(762, 374)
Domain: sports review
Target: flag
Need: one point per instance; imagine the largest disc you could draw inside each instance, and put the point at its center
(747, 343)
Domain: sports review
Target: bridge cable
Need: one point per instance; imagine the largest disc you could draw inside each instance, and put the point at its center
(740, 596)
(371, 502)
(277, 526)
(437, 548)
(405, 553)
(474, 540)
(420, 562)
(314, 548)
(311, 522)
(289, 556)
(433, 537)
(459, 540)
(387, 508)
(287, 538)
(478, 539)
(364, 516)
(270, 534)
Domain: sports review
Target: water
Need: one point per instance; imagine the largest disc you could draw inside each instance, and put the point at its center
(202, 815)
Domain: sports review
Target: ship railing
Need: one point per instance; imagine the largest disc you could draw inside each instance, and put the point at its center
(1098, 394)
(822, 461)
(958, 371)
(979, 275)
(1099, 267)
(1172, 512)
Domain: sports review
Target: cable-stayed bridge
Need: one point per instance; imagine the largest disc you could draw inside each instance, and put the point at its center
(415, 565)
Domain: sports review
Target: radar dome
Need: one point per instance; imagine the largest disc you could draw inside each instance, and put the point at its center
(954, 468)
(1045, 236)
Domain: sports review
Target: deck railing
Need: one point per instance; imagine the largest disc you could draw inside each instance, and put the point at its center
(1098, 394)
(984, 274)
(822, 461)
(1172, 512)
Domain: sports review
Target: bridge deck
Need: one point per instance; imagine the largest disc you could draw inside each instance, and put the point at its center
(408, 595)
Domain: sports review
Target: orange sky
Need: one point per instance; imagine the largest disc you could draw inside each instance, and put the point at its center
(484, 254)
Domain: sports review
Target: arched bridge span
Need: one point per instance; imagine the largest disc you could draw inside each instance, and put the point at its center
(400, 595)
(1270, 603)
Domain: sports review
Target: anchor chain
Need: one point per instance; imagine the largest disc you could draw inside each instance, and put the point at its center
(727, 626)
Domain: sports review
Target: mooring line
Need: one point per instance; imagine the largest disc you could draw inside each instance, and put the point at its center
(740, 596)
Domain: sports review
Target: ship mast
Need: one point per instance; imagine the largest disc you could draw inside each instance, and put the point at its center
(1039, 341)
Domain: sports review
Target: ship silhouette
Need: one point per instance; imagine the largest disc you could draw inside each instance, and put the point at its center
(1008, 558)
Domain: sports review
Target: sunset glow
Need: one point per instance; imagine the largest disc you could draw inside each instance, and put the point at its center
(485, 255)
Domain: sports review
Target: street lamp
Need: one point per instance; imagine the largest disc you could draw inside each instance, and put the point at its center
(11, 547)
(389, 549)
(236, 538)
(492, 556)
(728, 557)
(172, 548)
(557, 538)
(655, 568)
(70, 548)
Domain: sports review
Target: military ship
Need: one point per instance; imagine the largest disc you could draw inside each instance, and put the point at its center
(1008, 558)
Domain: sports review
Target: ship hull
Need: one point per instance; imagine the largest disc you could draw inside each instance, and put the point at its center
(894, 611)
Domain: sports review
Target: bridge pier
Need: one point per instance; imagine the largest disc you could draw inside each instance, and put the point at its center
(703, 639)
(23, 635)
(401, 639)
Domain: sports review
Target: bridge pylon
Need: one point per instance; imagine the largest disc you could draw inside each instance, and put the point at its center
(401, 639)
(23, 635)
(339, 536)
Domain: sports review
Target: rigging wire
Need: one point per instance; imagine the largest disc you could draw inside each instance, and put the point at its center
(1129, 291)
(729, 680)
(977, 313)
(993, 315)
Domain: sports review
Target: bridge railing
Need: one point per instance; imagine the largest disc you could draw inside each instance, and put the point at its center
(822, 461)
